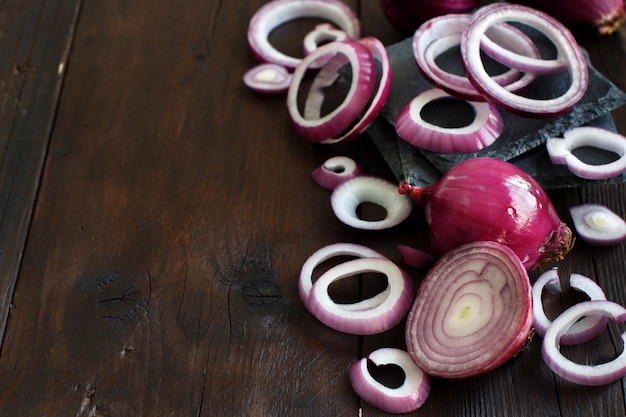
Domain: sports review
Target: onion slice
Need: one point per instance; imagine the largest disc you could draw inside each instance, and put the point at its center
(568, 51)
(598, 225)
(406, 398)
(335, 171)
(583, 330)
(415, 257)
(591, 375)
(370, 316)
(560, 151)
(482, 132)
(321, 34)
(347, 198)
(277, 12)
(473, 311)
(268, 78)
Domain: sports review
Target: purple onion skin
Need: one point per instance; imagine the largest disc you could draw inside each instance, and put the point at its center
(407, 15)
(486, 199)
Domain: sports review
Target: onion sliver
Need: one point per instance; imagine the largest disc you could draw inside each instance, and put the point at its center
(482, 132)
(583, 330)
(268, 78)
(591, 375)
(568, 51)
(277, 12)
(305, 281)
(370, 316)
(350, 195)
(406, 398)
(323, 33)
(335, 171)
(560, 151)
(598, 225)
(472, 312)
(314, 126)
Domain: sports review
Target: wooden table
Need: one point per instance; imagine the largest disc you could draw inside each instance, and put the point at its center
(156, 213)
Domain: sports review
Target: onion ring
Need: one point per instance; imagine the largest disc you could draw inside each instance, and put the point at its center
(321, 34)
(267, 78)
(598, 225)
(335, 171)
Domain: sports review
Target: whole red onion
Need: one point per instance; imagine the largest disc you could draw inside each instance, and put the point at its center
(605, 16)
(486, 199)
(407, 15)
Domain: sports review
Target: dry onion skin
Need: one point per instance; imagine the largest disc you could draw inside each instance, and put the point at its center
(472, 312)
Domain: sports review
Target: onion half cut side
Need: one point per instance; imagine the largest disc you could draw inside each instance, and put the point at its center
(598, 225)
(472, 312)
(568, 51)
(347, 198)
(406, 398)
(590, 375)
(584, 329)
(370, 316)
(277, 12)
(482, 132)
(560, 151)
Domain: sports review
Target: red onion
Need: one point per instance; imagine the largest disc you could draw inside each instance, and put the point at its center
(406, 398)
(489, 199)
(348, 197)
(560, 151)
(472, 312)
(605, 16)
(268, 78)
(598, 225)
(592, 375)
(323, 33)
(483, 131)
(415, 257)
(276, 12)
(335, 171)
(567, 49)
(370, 316)
(406, 15)
(584, 329)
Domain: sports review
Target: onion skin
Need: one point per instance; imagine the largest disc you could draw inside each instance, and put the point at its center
(486, 199)
(605, 16)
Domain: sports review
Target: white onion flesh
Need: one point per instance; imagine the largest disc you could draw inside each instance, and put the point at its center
(584, 329)
(482, 132)
(406, 398)
(370, 316)
(598, 225)
(348, 197)
(560, 151)
(589, 374)
(335, 171)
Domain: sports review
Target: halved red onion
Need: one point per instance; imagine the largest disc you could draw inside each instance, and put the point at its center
(472, 312)
(277, 12)
(583, 330)
(442, 33)
(560, 151)
(321, 34)
(268, 78)
(568, 51)
(598, 225)
(369, 316)
(335, 171)
(314, 126)
(590, 374)
(348, 197)
(482, 132)
(415, 257)
(305, 281)
(406, 398)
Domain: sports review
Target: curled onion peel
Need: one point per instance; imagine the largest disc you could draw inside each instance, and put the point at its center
(598, 225)
(267, 78)
(489, 199)
(347, 197)
(406, 398)
(312, 125)
(472, 312)
(335, 250)
(335, 171)
(370, 316)
(584, 329)
(277, 12)
(560, 151)
(591, 375)
(482, 132)
(568, 51)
